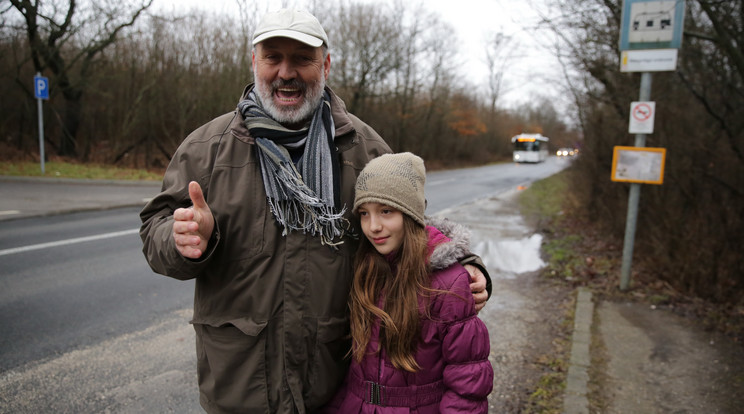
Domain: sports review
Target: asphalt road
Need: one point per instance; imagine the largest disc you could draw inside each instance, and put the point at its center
(91, 286)
(447, 189)
(88, 327)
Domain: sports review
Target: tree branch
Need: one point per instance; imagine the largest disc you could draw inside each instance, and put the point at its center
(725, 38)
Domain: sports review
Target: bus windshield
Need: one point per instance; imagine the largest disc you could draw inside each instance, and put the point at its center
(527, 145)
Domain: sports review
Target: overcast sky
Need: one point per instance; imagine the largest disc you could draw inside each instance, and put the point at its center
(474, 20)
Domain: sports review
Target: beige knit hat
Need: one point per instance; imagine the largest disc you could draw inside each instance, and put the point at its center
(395, 180)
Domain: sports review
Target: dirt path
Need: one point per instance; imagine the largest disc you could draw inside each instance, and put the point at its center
(658, 362)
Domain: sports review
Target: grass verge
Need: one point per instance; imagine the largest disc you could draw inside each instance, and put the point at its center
(73, 170)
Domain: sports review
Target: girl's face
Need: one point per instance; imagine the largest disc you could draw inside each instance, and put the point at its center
(383, 226)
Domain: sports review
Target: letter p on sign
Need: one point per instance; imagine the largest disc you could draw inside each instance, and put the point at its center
(41, 87)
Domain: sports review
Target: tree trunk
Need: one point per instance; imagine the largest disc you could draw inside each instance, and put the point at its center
(73, 112)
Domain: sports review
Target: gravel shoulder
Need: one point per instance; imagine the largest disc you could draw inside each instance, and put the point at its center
(527, 316)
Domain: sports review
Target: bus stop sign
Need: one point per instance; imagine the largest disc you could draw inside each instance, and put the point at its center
(650, 35)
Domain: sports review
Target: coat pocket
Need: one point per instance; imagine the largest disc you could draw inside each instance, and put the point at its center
(329, 364)
(231, 365)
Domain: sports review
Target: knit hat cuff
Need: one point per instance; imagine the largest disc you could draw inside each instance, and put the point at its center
(376, 198)
(395, 180)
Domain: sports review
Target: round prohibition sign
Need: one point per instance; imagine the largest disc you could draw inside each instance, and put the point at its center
(642, 112)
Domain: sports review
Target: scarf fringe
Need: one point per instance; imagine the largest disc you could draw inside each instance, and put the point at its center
(304, 211)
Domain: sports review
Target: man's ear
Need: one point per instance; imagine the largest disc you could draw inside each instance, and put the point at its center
(327, 65)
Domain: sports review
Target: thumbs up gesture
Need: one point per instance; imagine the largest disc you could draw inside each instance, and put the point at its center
(193, 226)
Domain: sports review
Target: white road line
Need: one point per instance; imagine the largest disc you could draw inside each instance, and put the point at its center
(66, 242)
(9, 212)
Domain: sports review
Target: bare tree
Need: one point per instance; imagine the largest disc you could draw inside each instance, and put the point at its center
(67, 38)
(498, 53)
(435, 104)
(418, 64)
(364, 42)
(717, 27)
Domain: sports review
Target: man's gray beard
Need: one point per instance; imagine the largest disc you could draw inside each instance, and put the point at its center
(310, 102)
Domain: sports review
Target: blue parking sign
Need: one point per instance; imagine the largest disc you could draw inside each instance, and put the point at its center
(41, 87)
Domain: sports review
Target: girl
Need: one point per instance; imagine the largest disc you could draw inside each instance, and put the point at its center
(417, 344)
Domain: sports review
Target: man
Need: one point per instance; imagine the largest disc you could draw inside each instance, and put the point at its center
(255, 207)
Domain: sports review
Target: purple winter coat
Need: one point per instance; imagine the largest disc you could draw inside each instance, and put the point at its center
(455, 375)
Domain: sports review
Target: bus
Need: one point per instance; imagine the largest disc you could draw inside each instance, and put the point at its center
(530, 148)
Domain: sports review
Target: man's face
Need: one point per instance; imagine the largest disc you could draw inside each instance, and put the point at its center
(290, 77)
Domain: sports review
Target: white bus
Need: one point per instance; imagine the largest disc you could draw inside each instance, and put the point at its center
(530, 148)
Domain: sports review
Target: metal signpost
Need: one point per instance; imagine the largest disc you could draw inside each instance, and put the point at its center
(41, 92)
(650, 35)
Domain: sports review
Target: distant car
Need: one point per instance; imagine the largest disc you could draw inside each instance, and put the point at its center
(565, 152)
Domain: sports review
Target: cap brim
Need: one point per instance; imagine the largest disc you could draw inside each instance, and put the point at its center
(299, 36)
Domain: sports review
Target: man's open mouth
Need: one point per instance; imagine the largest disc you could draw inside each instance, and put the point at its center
(288, 95)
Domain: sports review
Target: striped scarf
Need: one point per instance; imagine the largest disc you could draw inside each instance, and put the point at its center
(303, 196)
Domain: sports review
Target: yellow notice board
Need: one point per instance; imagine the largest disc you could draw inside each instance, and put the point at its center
(638, 165)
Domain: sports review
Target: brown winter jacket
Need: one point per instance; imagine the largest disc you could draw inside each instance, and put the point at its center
(265, 305)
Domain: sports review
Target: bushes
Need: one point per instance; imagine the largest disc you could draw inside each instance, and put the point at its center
(690, 230)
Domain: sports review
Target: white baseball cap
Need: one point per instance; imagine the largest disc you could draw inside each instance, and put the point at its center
(294, 24)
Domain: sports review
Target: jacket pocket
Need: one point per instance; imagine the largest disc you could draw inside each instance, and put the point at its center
(329, 364)
(231, 365)
(241, 210)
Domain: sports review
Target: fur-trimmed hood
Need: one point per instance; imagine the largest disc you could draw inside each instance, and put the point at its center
(447, 252)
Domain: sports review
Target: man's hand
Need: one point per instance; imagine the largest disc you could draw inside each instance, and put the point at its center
(477, 286)
(193, 226)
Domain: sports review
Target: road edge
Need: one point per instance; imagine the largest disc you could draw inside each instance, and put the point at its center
(575, 399)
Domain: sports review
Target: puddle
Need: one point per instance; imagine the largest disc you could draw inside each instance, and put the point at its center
(499, 235)
(508, 258)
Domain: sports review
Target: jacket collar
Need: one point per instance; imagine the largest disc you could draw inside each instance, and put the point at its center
(448, 242)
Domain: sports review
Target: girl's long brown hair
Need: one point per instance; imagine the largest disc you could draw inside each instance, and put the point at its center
(400, 315)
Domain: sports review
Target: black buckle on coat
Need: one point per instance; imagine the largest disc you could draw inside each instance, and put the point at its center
(375, 393)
